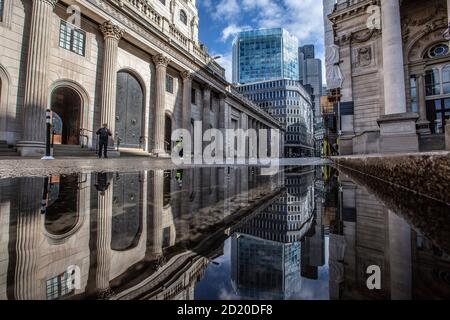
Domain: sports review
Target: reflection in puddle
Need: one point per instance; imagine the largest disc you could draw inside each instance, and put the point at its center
(214, 233)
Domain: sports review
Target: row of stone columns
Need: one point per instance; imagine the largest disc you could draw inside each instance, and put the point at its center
(36, 92)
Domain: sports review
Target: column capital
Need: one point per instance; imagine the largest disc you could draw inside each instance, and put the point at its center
(51, 2)
(207, 87)
(186, 75)
(161, 60)
(111, 30)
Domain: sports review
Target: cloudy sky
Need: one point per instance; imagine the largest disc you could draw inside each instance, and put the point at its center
(221, 19)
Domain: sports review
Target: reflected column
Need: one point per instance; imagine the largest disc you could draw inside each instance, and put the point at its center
(400, 257)
(158, 203)
(104, 216)
(26, 282)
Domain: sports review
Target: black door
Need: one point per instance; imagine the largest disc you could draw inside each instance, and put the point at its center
(129, 104)
(438, 112)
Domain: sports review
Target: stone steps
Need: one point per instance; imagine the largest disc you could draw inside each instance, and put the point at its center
(60, 150)
(6, 150)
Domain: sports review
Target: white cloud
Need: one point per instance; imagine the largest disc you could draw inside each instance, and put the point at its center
(225, 61)
(231, 30)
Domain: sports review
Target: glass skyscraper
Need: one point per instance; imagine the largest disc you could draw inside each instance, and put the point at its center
(263, 55)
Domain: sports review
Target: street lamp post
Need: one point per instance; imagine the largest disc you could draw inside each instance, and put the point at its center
(48, 118)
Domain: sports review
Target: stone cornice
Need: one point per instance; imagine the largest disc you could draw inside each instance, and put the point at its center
(111, 30)
(350, 10)
(155, 37)
(356, 36)
(161, 60)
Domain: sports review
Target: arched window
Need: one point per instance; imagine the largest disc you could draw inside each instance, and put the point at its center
(183, 17)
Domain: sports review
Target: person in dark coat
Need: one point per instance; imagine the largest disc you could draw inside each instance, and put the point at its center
(103, 135)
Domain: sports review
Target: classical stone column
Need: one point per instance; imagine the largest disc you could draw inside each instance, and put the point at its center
(423, 124)
(161, 63)
(394, 79)
(104, 216)
(206, 107)
(222, 122)
(112, 35)
(36, 90)
(186, 109)
(397, 127)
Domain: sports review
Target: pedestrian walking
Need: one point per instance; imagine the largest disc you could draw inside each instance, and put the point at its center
(103, 136)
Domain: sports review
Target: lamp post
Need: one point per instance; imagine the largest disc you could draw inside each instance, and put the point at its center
(48, 118)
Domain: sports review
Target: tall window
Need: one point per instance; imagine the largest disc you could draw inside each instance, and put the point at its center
(71, 38)
(432, 82)
(193, 96)
(413, 83)
(446, 79)
(169, 84)
(183, 17)
(57, 286)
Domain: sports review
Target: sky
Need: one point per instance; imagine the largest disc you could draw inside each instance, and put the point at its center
(221, 19)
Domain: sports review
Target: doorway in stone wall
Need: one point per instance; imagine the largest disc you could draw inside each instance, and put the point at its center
(66, 115)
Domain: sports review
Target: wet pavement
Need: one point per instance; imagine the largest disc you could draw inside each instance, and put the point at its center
(303, 232)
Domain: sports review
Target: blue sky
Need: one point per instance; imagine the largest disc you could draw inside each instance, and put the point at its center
(221, 19)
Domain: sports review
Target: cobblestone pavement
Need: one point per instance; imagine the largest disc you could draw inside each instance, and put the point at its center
(20, 167)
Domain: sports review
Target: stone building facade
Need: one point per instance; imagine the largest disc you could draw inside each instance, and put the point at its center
(394, 57)
(135, 65)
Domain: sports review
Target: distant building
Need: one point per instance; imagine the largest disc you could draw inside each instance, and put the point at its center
(310, 73)
(290, 103)
(266, 54)
(265, 68)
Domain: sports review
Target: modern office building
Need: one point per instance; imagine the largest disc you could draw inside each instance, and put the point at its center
(290, 103)
(310, 73)
(263, 55)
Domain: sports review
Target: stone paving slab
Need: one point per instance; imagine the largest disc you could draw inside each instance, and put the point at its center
(21, 167)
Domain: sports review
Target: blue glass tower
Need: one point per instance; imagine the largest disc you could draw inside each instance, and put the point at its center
(263, 55)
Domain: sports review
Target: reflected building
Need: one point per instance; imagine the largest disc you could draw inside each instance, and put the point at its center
(111, 235)
(367, 233)
(267, 251)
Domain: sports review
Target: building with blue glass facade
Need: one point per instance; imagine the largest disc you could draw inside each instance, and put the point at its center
(291, 104)
(266, 54)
